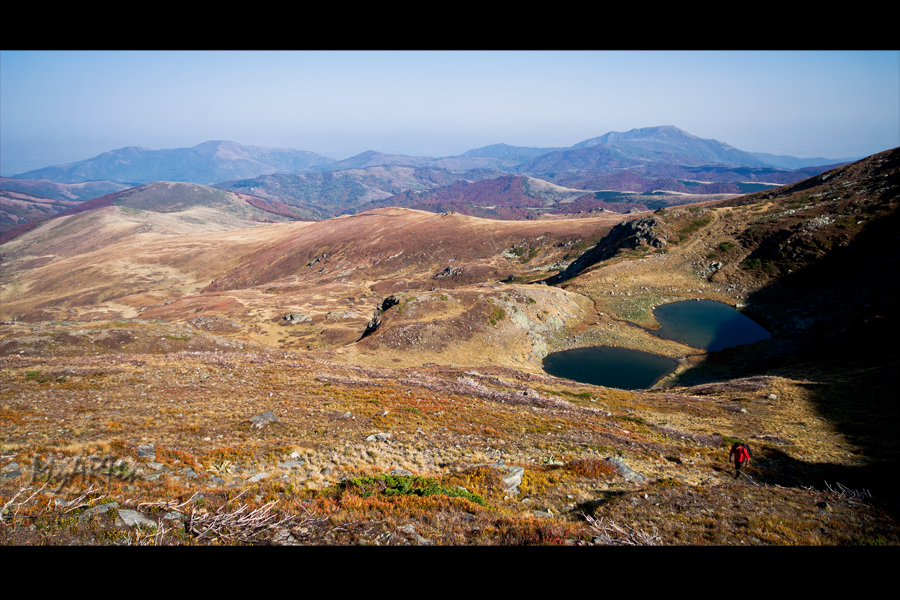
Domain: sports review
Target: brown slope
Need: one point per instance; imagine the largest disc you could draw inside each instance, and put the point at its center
(502, 198)
(19, 208)
(334, 272)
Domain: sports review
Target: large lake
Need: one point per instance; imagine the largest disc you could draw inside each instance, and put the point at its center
(706, 324)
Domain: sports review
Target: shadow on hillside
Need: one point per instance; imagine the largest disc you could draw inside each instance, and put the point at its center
(837, 330)
(773, 466)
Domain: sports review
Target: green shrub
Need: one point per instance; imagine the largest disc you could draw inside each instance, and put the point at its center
(751, 263)
(403, 485)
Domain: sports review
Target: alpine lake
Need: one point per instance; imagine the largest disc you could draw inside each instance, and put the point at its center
(703, 324)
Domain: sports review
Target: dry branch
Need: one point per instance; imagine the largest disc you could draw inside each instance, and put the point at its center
(610, 534)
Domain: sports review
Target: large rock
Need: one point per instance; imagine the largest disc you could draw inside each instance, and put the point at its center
(293, 318)
(97, 510)
(262, 419)
(133, 518)
(626, 471)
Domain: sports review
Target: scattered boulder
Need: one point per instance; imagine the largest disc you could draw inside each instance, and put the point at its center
(148, 451)
(294, 318)
(291, 464)
(133, 518)
(625, 471)
(409, 530)
(378, 437)
(262, 419)
(451, 271)
(10, 471)
(98, 510)
(511, 475)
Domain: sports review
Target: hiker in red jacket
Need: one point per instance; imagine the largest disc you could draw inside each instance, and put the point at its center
(742, 454)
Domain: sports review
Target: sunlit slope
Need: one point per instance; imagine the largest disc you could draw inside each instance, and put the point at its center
(122, 262)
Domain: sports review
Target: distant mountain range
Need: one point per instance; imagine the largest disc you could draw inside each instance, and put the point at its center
(206, 163)
(306, 185)
(218, 161)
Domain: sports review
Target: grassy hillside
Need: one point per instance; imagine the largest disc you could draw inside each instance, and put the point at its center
(439, 426)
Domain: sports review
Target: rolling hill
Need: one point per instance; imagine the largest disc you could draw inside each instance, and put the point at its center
(356, 373)
(74, 192)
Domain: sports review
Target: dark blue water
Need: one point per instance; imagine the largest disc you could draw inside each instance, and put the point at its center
(706, 324)
(621, 368)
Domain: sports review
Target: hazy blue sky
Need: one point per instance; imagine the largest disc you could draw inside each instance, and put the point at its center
(58, 107)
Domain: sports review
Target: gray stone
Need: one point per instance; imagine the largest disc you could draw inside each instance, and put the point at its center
(148, 451)
(263, 418)
(98, 510)
(409, 530)
(133, 518)
(402, 472)
(155, 466)
(189, 473)
(291, 464)
(258, 477)
(10, 471)
(296, 318)
(378, 437)
(512, 478)
(173, 515)
(625, 471)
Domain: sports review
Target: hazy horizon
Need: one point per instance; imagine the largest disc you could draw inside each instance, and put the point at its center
(63, 107)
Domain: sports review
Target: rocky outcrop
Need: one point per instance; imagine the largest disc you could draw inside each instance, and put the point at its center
(646, 231)
(450, 272)
(294, 318)
(372, 325)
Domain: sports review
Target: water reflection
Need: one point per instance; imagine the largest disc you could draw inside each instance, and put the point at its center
(706, 324)
(621, 368)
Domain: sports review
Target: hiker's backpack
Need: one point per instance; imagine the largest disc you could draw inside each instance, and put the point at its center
(742, 452)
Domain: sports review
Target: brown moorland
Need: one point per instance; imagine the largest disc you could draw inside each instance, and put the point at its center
(138, 338)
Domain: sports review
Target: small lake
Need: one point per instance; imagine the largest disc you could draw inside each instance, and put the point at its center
(708, 325)
(608, 366)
